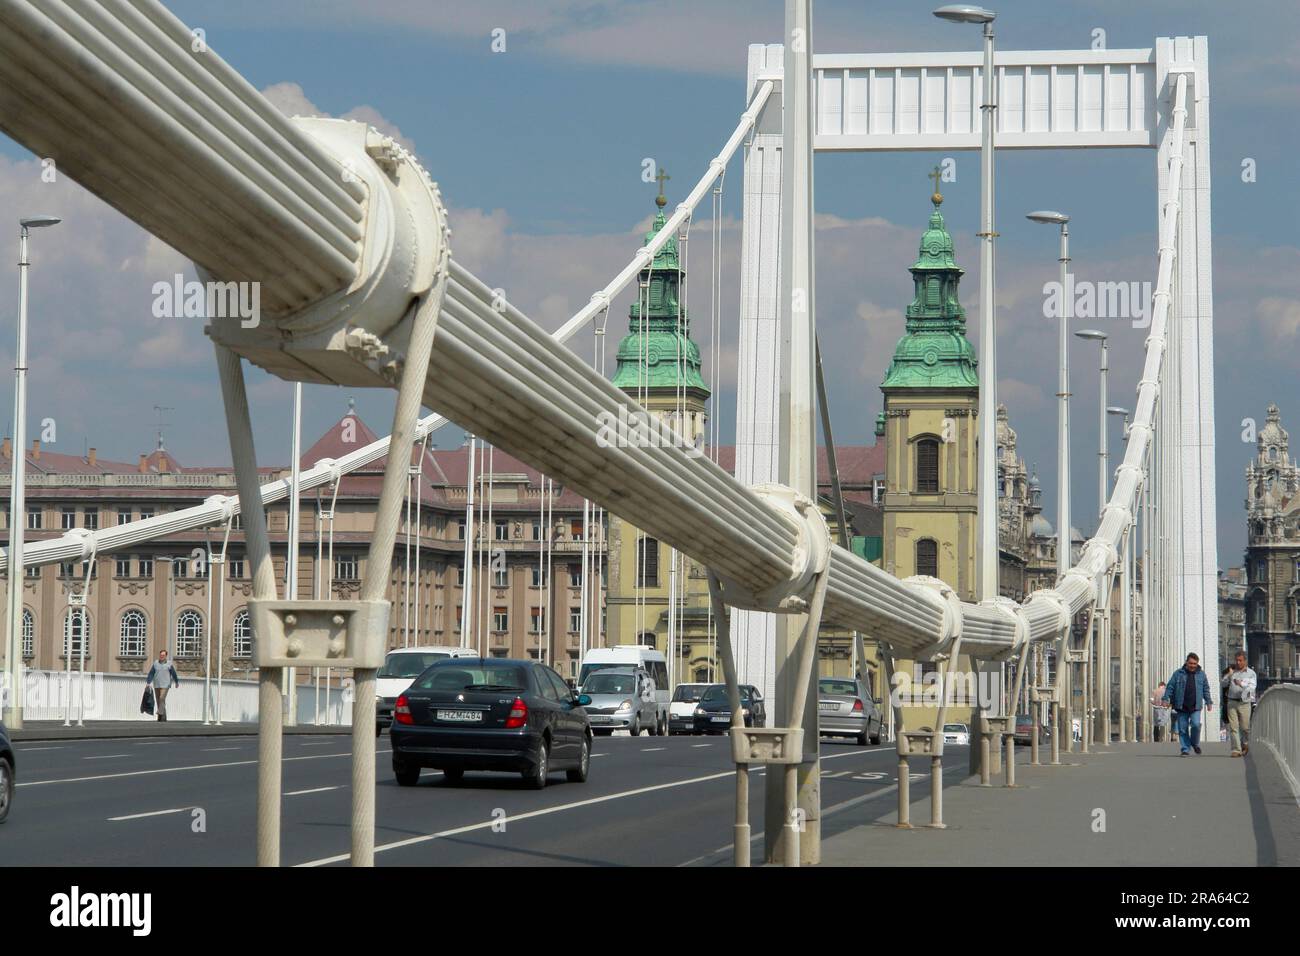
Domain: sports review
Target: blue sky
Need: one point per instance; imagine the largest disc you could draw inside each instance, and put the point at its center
(539, 150)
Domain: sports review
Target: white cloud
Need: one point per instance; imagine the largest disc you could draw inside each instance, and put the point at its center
(290, 99)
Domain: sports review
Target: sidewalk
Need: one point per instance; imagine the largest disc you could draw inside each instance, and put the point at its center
(34, 730)
(1125, 805)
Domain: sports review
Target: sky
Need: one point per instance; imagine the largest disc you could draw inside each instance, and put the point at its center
(539, 152)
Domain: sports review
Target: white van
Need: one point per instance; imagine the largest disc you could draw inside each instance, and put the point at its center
(633, 655)
(402, 666)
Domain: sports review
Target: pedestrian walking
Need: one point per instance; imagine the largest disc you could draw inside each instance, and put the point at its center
(1239, 698)
(162, 677)
(1187, 691)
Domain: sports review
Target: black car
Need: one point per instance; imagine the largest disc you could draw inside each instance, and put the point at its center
(713, 712)
(6, 774)
(490, 714)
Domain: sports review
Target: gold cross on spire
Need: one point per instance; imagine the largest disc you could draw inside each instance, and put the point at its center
(936, 174)
(661, 200)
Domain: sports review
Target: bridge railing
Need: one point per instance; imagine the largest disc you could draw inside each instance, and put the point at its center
(1276, 725)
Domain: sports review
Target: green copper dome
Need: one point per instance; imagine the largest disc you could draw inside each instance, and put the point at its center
(658, 353)
(934, 353)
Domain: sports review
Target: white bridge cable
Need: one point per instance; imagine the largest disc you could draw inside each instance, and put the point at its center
(78, 543)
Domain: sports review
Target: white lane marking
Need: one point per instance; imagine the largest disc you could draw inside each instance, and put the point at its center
(154, 813)
(105, 756)
(470, 828)
(213, 750)
(600, 755)
(201, 766)
(299, 793)
(32, 750)
(316, 743)
(694, 746)
(153, 743)
(650, 750)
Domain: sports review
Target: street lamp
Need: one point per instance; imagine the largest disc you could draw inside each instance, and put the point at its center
(1062, 394)
(1127, 728)
(17, 496)
(988, 360)
(1101, 690)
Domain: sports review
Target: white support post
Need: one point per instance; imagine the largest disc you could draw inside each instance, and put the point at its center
(753, 633)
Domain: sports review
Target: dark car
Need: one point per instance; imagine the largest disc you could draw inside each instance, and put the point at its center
(1025, 730)
(713, 712)
(490, 714)
(6, 774)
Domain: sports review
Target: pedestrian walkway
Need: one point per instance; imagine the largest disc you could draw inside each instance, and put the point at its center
(33, 730)
(1122, 805)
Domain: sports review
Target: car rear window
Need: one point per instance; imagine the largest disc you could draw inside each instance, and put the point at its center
(410, 665)
(455, 676)
(689, 692)
(719, 692)
(954, 728)
(607, 683)
(844, 687)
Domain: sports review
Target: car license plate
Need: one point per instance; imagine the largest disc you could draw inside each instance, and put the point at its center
(722, 720)
(830, 708)
(597, 719)
(461, 716)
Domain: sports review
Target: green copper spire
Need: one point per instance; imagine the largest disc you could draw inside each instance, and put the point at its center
(934, 353)
(657, 353)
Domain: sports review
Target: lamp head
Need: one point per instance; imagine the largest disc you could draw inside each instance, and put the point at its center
(36, 222)
(1116, 410)
(965, 13)
(1094, 334)
(1048, 216)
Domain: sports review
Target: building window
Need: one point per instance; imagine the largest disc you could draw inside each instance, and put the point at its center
(537, 529)
(460, 530)
(647, 559)
(500, 619)
(575, 575)
(1259, 611)
(537, 622)
(345, 567)
(122, 566)
(69, 518)
(146, 513)
(29, 634)
(927, 557)
(180, 567)
(537, 576)
(1261, 570)
(927, 466)
(76, 631)
(236, 521)
(32, 570)
(90, 519)
(123, 515)
(501, 577)
(236, 566)
(501, 530)
(34, 519)
(132, 635)
(243, 632)
(146, 566)
(575, 620)
(646, 639)
(189, 633)
(575, 529)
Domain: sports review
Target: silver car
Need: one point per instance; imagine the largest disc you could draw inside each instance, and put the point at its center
(845, 709)
(622, 698)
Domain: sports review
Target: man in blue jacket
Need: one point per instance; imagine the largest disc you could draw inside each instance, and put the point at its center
(162, 675)
(1186, 692)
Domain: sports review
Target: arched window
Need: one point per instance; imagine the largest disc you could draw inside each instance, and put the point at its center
(189, 633)
(927, 466)
(927, 557)
(646, 639)
(76, 631)
(1259, 611)
(29, 634)
(132, 635)
(243, 635)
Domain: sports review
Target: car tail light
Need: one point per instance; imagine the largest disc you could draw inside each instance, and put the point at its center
(857, 706)
(518, 714)
(402, 711)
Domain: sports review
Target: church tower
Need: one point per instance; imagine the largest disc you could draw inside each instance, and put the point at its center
(931, 394)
